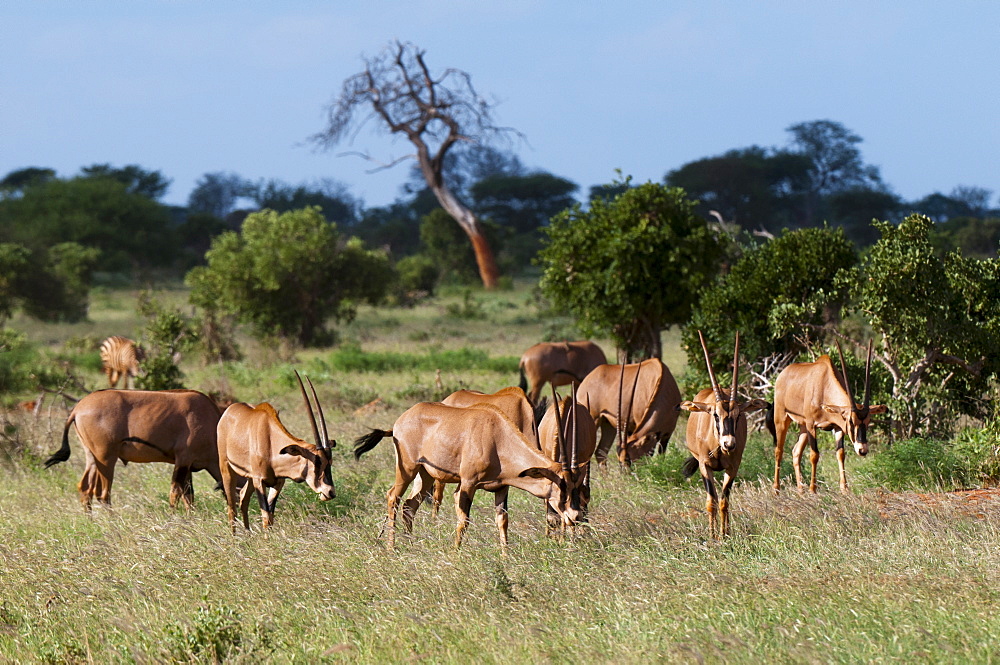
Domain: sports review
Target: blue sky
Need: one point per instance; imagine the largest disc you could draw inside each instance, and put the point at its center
(192, 87)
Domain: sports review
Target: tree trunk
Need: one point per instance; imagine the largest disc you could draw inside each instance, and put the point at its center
(488, 270)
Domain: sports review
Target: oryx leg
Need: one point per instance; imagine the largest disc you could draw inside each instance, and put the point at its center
(841, 454)
(181, 487)
(604, 445)
(502, 519)
(711, 503)
(263, 500)
(393, 496)
(437, 497)
(98, 476)
(422, 488)
(781, 431)
(814, 461)
(229, 490)
(797, 451)
(246, 493)
(727, 485)
(463, 504)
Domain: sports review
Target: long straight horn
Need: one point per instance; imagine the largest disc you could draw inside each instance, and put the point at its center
(574, 438)
(843, 372)
(312, 418)
(560, 441)
(711, 372)
(868, 376)
(736, 368)
(322, 420)
(618, 424)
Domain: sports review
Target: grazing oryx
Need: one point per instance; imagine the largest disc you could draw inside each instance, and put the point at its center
(120, 358)
(559, 363)
(816, 397)
(173, 426)
(477, 447)
(568, 420)
(716, 436)
(648, 396)
(255, 447)
(511, 401)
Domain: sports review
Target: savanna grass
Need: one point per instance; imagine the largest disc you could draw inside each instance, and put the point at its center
(824, 578)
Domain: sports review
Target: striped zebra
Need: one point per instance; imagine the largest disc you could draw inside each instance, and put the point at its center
(120, 357)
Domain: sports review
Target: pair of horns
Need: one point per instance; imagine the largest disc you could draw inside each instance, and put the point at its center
(711, 372)
(623, 424)
(868, 375)
(568, 461)
(323, 442)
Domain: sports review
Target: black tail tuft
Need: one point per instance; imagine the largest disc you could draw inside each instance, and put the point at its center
(365, 443)
(690, 466)
(524, 380)
(62, 454)
(770, 424)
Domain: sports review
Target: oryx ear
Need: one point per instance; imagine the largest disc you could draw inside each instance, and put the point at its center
(688, 405)
(833, 408)
(755, 405)
(539, 472)
(878, 409)
(294, 449)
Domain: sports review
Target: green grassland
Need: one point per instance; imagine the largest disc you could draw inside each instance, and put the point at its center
(826, 578)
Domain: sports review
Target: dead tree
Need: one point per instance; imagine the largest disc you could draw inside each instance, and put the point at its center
(398, 90)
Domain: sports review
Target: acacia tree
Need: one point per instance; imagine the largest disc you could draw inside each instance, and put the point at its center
(630, 267)
(434, 113)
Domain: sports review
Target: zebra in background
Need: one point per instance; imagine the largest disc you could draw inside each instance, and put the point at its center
(120, 357)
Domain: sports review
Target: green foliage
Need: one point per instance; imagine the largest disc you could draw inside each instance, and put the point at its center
(417, 273)
(972, 236)
(939, 324)
(469, 308)
(287, 274)
(129, 228)
(17, 358)
(214, 634)
(58, 286)
(166, 335)
(630, 267)
(971, 459)
(136, 179)
(15, 261)
(446, 244)
(350, 358)
(770, 295)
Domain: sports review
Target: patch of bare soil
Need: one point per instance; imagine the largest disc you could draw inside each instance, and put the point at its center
(971, 503)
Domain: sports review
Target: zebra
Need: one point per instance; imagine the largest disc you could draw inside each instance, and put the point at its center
(120, 357)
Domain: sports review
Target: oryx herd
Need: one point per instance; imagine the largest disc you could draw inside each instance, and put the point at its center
(474, 440)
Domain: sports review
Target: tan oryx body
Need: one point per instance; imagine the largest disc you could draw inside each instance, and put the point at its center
(120, 359)
(716, 438)
(558, 363)
(647, 395)
(172, 426)
(816, 397)
(477, 447)
(257, 453)
(511, 401)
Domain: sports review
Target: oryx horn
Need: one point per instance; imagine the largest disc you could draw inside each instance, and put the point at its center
(574, 442)
(868, 376)
(618, 425)
(312, 418)
(560, 441)
(322, 420)
(711, 372)
(843, 371)
(736, 369)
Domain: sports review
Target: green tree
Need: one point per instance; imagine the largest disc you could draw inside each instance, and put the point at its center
(136, 179)
(15, 182)
(15, 262)
(631, 267)
(58, 286)
(771, 296)
(937, 322)
(447, 246)
(287, 274)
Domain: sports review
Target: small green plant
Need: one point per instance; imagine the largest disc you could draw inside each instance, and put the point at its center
(168, 332)
(469, 309)
(214, 634)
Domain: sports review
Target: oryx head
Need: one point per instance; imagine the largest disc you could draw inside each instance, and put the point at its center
(726, 409)
(317, 472)
(856, 417)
